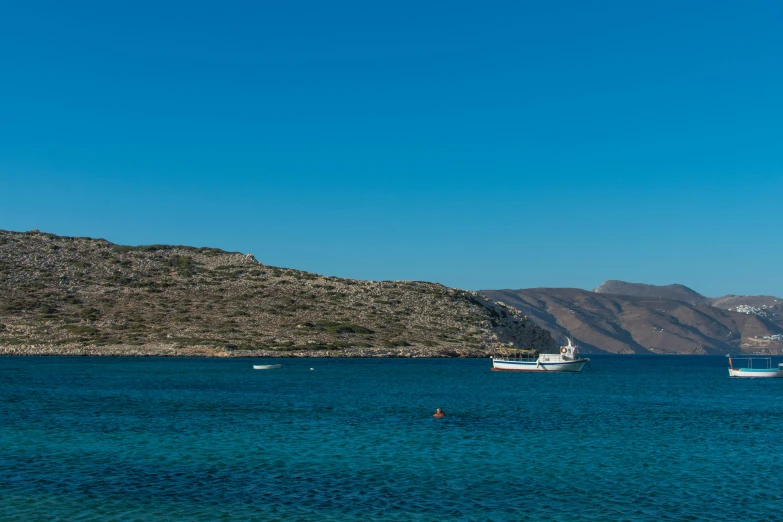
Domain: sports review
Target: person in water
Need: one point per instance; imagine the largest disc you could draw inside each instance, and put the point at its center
(439, 414)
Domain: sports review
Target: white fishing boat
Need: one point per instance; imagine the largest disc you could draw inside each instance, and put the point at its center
(266, 366)
(567, 360)
(755, 367)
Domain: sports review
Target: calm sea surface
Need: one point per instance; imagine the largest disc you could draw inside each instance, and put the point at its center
(636, 438)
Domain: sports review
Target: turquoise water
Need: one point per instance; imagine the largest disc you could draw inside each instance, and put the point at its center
(637, 438)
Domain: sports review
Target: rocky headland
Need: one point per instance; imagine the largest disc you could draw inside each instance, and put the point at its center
(82, 296)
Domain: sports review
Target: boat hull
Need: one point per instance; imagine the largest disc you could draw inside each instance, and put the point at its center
(266, 366)
(533, 366)
(750, 372)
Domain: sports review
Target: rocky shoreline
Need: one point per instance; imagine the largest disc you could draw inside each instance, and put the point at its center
(170, 350)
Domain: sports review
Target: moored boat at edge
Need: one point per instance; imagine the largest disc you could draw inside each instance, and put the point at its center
(763, 368)
(567, 360)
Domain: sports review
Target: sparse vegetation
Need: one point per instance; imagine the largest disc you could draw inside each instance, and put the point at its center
(87, 293)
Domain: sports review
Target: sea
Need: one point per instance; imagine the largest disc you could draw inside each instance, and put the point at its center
(628, 438)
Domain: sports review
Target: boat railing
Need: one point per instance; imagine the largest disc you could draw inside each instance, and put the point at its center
(544, 357)
(509, 357)
(767, 362)
(551, 357)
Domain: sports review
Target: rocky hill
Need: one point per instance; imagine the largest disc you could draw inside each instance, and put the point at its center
(766, 306)
(65, 295)
(647, 323)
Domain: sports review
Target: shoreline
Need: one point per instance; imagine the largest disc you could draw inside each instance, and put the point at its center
(173, 351)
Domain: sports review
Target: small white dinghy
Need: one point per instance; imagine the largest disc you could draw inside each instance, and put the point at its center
(266, 366)
(762, 367)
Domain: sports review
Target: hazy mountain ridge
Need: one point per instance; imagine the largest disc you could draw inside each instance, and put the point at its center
(675, 291)
(769, 307)
(63, 295)
(616, 323)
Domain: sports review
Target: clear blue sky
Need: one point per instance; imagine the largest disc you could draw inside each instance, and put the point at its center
(477, 144)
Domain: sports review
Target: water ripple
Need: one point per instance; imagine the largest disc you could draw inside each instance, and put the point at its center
(135, 439)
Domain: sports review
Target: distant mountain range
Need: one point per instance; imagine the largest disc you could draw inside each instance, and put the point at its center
(622, 317)
(677, 292)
